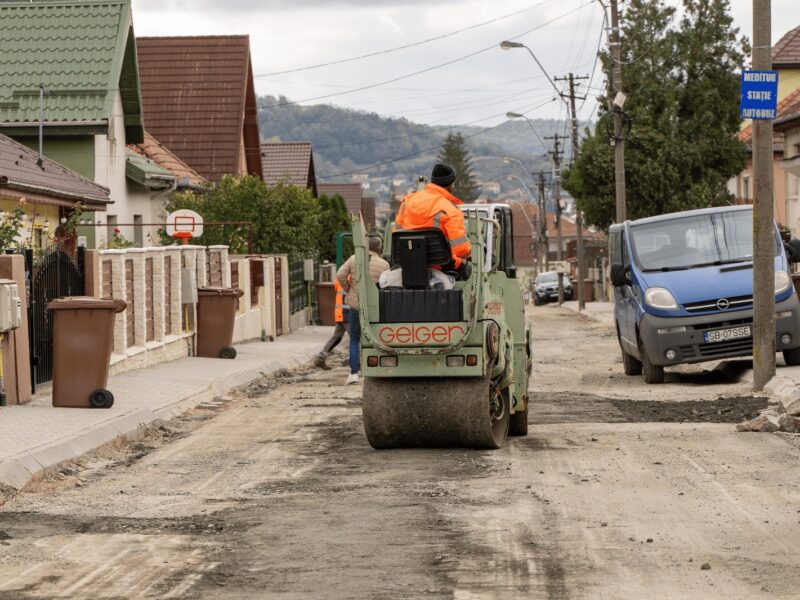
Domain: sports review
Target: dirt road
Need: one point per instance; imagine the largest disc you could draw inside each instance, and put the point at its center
(621, 490)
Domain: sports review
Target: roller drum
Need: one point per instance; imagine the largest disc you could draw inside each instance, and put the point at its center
(440, 413)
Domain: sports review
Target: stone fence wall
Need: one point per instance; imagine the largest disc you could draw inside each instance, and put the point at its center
(159, 323)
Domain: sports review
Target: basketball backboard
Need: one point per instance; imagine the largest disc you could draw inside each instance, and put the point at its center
(184, 223)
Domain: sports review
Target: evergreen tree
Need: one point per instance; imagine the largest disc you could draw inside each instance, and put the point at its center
(683, 108)
(454, 152)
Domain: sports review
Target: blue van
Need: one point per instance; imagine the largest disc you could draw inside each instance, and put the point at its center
(683, 290)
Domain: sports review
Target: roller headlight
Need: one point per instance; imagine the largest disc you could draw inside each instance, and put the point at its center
(658, 297)
(783, 281)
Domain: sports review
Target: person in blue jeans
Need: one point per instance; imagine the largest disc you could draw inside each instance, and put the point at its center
(354, 331)
(346, 277)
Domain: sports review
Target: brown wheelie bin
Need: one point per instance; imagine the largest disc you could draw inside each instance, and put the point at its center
(83, 338)
(216, 314)
(326, 297)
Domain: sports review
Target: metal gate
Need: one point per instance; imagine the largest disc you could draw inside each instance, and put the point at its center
(52, 275)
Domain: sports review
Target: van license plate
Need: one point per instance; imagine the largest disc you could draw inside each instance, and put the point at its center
(724, 335)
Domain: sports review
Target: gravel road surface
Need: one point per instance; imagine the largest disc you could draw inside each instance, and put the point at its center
(621, 490)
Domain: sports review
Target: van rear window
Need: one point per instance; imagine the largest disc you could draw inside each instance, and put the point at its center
(700, 240)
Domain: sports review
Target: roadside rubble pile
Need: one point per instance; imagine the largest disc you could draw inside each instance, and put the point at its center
(783, 415)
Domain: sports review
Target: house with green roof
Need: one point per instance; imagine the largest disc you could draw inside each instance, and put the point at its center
(72, 65)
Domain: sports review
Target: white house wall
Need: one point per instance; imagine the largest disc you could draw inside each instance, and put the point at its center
(109, 168)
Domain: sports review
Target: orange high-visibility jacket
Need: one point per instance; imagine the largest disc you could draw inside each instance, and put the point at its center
(340, 304)
(436, 207)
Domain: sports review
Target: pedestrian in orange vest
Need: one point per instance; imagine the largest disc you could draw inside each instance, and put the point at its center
(437, 207)
(340, 314)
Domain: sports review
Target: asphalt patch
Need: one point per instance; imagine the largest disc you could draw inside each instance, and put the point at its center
(734, 409)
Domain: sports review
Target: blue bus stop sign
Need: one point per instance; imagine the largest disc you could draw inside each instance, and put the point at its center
(759, 98)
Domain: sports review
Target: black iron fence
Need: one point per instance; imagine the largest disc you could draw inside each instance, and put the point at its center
(50, 275)
(298, 291)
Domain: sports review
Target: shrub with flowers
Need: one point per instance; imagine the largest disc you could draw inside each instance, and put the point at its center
(11, 224)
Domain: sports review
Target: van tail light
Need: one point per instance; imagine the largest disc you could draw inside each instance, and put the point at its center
(372, 361)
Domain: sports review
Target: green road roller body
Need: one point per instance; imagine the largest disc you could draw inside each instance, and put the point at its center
(445, 367)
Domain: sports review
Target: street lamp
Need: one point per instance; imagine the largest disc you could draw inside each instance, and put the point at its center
(514, 115)
(527, 189)
(506, 45)
(510, 159)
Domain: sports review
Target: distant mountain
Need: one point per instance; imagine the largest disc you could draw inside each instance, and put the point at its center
(347, 141)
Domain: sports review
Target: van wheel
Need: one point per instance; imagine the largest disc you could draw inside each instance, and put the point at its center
(631, 364)
(792, 357)
(652, 373)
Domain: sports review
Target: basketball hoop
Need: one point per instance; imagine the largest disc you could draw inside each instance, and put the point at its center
(183, 236)
(184, 224)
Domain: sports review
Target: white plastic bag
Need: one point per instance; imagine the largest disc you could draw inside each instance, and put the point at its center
(436, 280)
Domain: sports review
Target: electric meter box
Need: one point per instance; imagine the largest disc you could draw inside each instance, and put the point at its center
(308, 269)
(188, 286)
(10, 305)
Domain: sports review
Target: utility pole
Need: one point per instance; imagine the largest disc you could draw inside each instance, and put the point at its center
(763, 214)
(543, 221)
(557, 194)
(579, 251)
(615, 51)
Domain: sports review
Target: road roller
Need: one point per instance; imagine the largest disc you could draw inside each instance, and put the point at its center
(445, 362)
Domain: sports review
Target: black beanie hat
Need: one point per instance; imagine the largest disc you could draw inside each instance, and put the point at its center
(443, 175)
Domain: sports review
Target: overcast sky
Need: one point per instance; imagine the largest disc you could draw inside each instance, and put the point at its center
(479, 90)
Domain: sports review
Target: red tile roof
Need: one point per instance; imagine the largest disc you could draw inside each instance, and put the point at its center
(368, 211)
(785, 107)
(290, 162)
(154, 150)
(786, 53)
(568, 229)
(351, 192)
(790, 118)
(19, 170)
(199, 101)
(522, 225)
(526, 231)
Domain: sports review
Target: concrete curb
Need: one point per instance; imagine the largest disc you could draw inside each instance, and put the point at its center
(780, 388)
(604, 315)
(19, 470)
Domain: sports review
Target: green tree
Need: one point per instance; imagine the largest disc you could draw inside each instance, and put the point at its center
(285, 218)
(333, 218)
(455, 153)
(683, 108)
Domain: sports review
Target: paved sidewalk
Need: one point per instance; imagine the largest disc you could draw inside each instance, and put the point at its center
(602, 312)
(37, 436)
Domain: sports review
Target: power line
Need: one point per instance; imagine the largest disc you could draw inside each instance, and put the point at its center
(574, 36)
(433, 130)
(484, 88)
(434, 67)
(526, 108)
(407, 156)
(406, 46)
(422, 111)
